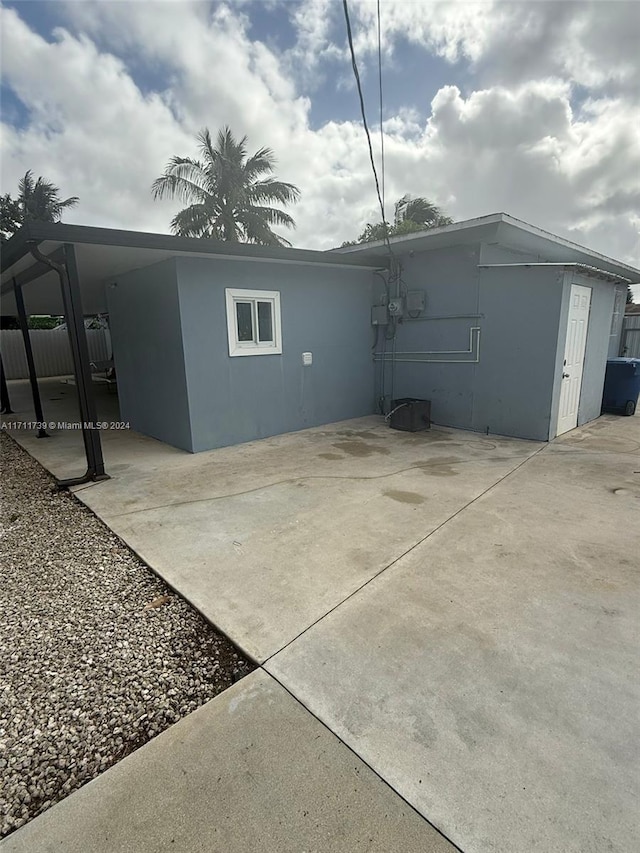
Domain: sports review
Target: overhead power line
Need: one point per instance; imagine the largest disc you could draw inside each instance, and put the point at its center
(380, 94)
(356, 74)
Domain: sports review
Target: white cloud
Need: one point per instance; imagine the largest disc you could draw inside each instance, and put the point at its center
(90, 130)
(511, 143)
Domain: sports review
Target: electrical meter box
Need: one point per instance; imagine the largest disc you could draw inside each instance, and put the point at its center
(379, 316)
(416, 301)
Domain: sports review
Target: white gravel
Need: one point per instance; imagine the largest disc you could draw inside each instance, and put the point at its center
(88, 670)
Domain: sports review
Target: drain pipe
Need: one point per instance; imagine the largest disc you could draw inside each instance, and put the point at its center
(71, 297)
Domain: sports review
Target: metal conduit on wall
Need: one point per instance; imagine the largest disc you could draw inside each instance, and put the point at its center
(404, 356)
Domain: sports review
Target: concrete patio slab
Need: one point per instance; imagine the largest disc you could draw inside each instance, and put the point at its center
(265, 538)
(250, 770)
(490, 676)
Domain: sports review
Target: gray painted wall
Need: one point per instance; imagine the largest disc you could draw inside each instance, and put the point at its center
(325, 311)
(146, 334)
(449, 278)
(513, 389)
(515, 375)
(178, 383)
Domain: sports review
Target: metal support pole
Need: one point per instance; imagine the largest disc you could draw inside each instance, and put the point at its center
(5, 400)
(33, 377)
(72, 300)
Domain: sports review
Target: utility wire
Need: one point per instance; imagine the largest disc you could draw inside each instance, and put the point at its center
(356, 74)
(380, 93)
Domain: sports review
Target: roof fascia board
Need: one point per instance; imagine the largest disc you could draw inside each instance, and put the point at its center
(77, 234)
(570, 265)
(500, 219)
(512, 223)
(466, 224)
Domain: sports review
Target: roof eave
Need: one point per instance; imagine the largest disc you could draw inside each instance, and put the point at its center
(17, 246)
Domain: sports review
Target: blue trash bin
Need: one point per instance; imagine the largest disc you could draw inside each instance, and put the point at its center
(621, 385)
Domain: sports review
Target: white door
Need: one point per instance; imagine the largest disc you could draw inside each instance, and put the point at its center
(574, 348)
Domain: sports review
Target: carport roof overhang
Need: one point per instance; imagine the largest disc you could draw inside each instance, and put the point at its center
(104, 253)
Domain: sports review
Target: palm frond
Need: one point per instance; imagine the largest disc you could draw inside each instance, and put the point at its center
(193, 221)
(257, 230)
(274, 216)
(183, 178)
(260, 163)
(272, 190)
(419, 210)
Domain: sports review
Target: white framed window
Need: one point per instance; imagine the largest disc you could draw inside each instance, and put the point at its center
(253, 322)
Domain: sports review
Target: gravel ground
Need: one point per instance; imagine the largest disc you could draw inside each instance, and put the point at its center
(97, 654)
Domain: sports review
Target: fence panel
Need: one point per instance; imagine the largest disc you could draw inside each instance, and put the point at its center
(51, 351)
(630, 341)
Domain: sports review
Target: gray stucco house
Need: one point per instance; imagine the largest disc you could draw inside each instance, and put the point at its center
(504, 327)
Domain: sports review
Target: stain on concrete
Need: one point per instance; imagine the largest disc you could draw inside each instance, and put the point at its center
(440, 466)
(610, 443)
(425, 436)
(119, 467)
(404, 497)
(330, 456)
(360, 448)
(604, 583)
(362, 433)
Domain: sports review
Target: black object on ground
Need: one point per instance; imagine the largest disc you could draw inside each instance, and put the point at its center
(410, 414)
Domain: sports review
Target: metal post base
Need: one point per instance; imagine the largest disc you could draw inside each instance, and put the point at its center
(89, 477)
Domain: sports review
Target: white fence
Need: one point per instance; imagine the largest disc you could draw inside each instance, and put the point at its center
(51, 351)
(630, 343)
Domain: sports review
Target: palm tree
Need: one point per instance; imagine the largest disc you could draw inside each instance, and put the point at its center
(38, 201)
(227, 192)
(410, 215)
(420, 211)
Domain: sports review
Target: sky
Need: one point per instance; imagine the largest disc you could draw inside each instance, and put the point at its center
(528, 108)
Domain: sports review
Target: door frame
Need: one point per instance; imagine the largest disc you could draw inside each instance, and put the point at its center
(571, 281)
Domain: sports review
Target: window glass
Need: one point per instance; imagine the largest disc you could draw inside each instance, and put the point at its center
(253, 322)
(245, 321)
(265, 322)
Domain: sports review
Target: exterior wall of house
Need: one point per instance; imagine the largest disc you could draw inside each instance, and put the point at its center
(146, 335)
(487, 351)
(449, 278)
(514, 387)
(507, 320)
(510, 384)
(324, 310)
